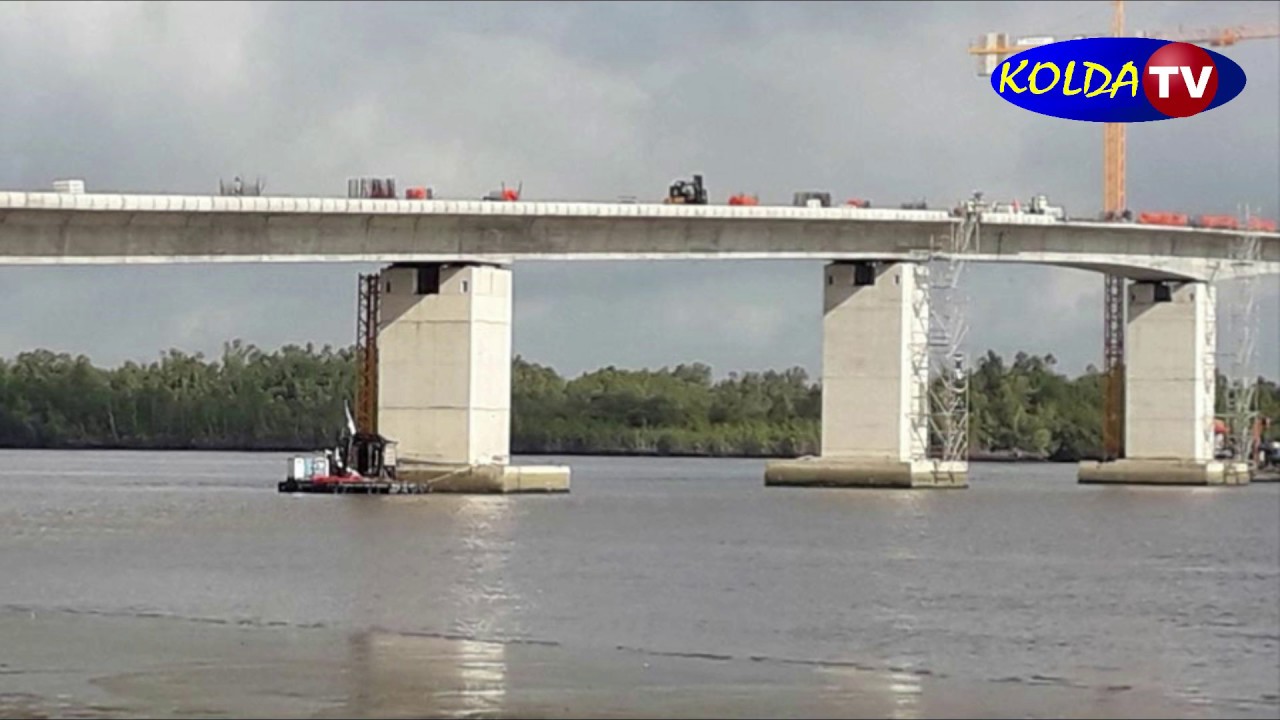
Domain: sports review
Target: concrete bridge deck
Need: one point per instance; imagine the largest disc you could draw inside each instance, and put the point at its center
(55, 228)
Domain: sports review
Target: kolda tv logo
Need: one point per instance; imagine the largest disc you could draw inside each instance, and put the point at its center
(1118, 79)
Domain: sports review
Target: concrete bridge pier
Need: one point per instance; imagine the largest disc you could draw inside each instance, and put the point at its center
(444, 379)
(1169, 391)
(874, 385)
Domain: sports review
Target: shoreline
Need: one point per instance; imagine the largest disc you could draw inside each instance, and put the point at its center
(155, 664)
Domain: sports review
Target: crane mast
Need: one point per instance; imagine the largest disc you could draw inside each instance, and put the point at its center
(991, 50)
(368, 308)
(1113, 306)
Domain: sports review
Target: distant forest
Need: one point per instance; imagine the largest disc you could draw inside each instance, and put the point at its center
(292, 399)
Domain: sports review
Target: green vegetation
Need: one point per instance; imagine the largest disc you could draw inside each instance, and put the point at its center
(292, 399)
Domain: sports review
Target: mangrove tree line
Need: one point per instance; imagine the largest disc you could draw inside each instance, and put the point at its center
(292, 399)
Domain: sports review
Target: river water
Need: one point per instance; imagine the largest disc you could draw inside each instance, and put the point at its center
(176, 584)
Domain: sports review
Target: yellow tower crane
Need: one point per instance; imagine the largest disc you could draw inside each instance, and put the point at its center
(994, 48)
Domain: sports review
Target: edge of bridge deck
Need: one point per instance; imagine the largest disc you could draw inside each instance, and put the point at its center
(286, 205)
(101, 202)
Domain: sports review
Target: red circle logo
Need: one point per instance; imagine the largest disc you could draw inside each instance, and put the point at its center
(1180, 80)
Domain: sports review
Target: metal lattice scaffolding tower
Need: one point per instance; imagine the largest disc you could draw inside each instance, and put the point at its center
(1241, 331)
(367, 318)
(941, 310)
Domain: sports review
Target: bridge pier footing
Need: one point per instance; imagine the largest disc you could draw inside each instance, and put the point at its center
(875, 380)
(865, 473)
(444, 380)
(1131, 471)
(1169, 392)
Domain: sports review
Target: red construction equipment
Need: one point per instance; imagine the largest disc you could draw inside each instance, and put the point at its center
(505, 194)
(1214, 222)
(1162, 218)
(743, 199)
(417, 193)
(1218, 222)
(1224, 444)
(858, 203)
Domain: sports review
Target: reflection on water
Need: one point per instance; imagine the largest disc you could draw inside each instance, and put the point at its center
(906, 694)
(483, 671)
(403, 674)
(688, 576)
(398, 675)
(483, 600)
(484, 604)
(454, 676)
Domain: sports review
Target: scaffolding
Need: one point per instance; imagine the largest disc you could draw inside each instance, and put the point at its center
(1239, 361)
(1209, 367)
(1113, 396)
(940, 305)
(918, 350)
(367, 318)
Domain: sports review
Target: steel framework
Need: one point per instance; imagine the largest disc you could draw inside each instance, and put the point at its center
(938, 357)
(367, 318)
(1209, 367)
(1241, 374)
(921, 420)
(1113, 287)
(1113, 367)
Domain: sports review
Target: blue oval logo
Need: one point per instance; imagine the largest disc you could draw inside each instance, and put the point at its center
(1118, 80)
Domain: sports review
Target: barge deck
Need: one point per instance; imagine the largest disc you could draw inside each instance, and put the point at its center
(354, 487)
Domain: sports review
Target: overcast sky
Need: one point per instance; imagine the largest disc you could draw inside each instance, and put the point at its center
(590, 101)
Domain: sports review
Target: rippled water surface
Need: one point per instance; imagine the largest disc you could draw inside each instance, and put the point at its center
(140, 583)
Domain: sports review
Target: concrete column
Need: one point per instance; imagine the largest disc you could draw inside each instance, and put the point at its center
(1169, 362)
(871, 388)
(874, 384)
(444, 379)
(1169, 390)
(444, 373)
